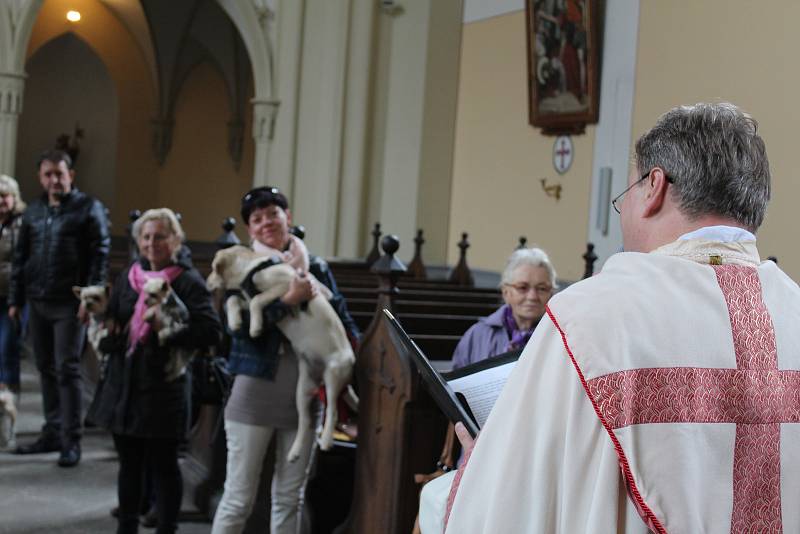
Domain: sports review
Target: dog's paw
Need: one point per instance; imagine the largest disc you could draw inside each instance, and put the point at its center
(255, 331)
(235, 324)
(163, 336)
(326, 443)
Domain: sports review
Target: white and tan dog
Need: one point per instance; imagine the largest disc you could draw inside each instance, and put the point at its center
(8, 418)
(316, 333)
(173, 314)
(94, 300)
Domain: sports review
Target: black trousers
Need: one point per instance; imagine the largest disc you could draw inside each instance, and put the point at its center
(57, 343)
(160, 458)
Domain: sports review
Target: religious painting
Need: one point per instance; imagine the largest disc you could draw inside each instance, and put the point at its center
(562, 65)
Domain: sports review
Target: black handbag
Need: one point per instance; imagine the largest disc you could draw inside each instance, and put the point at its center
(211, 380)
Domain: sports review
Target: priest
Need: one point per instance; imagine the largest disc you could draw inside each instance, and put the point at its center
(663, 394)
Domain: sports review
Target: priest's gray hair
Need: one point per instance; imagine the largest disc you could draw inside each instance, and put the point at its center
(716, 158)
(529, 256)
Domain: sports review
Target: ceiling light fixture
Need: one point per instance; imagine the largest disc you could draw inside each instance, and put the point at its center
(73, 16)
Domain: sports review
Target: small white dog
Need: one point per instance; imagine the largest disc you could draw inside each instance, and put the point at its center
(94, 299)
(174, 317)
(316, 333)
(8, 419)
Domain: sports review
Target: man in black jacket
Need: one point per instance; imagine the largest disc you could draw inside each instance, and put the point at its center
(63, 242)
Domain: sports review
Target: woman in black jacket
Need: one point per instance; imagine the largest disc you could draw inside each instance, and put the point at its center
(145, 410)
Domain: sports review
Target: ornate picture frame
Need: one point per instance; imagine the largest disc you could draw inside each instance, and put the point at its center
(563, 73)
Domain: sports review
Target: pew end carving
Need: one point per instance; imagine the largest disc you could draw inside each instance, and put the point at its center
(589, 259)
(375, 253)
(461, 275)
(228, 238)
(416, 268)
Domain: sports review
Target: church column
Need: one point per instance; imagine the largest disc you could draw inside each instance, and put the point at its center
(264, 115)
(287, 38)
(12, 86)
(612, 138)
(350, 239)
(416, 91)
(321, 96)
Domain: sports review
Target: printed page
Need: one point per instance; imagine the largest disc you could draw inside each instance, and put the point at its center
(482, 389)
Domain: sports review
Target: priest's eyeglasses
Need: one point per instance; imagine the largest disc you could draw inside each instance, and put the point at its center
(617, 202)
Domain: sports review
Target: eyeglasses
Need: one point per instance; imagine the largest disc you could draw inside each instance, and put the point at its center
(260, 191)
(524, 289)
(617, 200)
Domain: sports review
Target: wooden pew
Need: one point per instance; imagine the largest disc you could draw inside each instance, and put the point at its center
(400, 428)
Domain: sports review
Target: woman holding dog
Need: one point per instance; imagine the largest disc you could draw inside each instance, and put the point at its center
(262, 407)
(143, 406)
(11, 208)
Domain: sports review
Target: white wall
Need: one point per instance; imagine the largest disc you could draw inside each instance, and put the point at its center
(612, 147)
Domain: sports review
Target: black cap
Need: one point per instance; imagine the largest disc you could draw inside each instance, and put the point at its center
(261, 197)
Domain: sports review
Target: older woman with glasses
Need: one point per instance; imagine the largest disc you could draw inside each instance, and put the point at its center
(527, 282)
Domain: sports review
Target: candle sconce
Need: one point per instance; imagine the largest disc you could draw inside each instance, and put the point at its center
(552, 190)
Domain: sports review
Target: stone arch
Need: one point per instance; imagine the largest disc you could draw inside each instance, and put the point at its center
(22, 26)
(135, 179)
(252, 19)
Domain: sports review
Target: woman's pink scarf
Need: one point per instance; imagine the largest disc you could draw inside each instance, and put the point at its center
(137, 277)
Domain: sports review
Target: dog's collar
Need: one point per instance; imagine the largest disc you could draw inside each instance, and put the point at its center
(248, 286)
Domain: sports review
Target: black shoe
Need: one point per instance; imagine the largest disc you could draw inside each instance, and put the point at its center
(70, 456)
(40, 446)
(150, 519)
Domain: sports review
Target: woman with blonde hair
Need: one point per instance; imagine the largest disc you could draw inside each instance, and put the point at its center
(11, 207)
(141, 401)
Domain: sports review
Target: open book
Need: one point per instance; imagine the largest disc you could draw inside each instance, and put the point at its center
(465, 395)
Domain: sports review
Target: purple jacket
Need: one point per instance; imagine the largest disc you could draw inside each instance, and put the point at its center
(488, 337)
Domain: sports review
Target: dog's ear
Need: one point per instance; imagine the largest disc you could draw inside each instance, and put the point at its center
(77, 291)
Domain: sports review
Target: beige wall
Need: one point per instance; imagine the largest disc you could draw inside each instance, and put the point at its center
(499, 159)
(738, 51)
(198, 179)
(110, 40)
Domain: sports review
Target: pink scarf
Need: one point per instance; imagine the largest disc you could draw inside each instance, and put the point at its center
(137, 277)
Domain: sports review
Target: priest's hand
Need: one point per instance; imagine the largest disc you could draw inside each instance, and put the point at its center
(423, 478)
(463, 436)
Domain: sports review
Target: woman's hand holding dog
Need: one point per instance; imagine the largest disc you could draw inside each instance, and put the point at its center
(153, 316)
(301, 289)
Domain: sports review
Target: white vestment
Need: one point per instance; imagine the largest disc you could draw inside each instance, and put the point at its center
(654, 365)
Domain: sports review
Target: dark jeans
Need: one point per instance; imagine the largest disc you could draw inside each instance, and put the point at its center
(9, 348)
(57, 343)
(160, 457)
